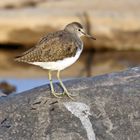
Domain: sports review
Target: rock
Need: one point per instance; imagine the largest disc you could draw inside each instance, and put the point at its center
(115, 24)
(7, 88)
(106, 107)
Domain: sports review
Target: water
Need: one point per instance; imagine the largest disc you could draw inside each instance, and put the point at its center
(25, 84)
(89, 64)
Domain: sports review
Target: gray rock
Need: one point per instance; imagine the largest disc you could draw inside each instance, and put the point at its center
(106, 108)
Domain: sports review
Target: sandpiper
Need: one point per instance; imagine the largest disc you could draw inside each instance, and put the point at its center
(57, 51)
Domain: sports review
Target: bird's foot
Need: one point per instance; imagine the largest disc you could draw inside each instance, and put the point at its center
(69, 94)
(57, 95)
(60, 95)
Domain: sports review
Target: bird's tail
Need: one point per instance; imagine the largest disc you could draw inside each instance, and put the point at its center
(18, 59)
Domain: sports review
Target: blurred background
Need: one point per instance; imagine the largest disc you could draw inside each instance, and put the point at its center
(115, 25)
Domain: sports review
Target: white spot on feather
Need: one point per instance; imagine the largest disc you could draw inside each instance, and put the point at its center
(82, 111)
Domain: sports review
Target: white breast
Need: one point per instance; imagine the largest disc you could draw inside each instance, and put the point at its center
(60, 64)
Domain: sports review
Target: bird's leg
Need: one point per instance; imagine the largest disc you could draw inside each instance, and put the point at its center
(62, 85)
(51, 85)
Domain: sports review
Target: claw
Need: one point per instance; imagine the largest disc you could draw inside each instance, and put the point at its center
(56, 95)
(59, 94)
(69, 95)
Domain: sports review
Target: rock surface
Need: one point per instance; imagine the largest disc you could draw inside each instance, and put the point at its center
(106, 107)
(115, 24)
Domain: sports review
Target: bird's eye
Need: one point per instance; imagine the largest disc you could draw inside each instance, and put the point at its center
(79, 30)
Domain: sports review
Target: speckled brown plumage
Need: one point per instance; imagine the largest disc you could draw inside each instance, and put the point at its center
(52, 47)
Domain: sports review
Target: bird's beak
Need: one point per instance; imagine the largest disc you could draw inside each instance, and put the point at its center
(89, 36)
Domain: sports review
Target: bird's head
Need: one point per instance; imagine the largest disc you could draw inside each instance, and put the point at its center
(77, 28)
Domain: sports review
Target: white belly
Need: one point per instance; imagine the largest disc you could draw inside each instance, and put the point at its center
(60, 64)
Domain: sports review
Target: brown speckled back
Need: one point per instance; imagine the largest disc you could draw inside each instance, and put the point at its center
(52, 47)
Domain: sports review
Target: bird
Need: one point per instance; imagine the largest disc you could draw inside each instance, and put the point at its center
(56, 51)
